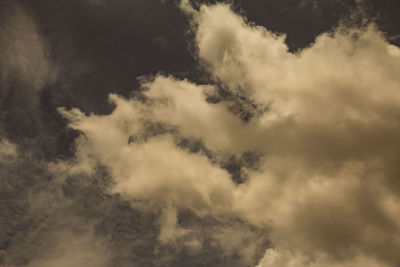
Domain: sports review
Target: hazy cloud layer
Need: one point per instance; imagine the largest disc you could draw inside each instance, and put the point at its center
(23, 52)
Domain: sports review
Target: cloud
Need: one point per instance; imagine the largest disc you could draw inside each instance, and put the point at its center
(40, 226)
(80, 248)
(25, 71)
(24, 54)
(326, 218)
(327, 185)
(141, 169)
(7, 150)
(334, 104)
(273, 258)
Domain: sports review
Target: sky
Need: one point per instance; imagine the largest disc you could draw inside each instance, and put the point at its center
(261, 133)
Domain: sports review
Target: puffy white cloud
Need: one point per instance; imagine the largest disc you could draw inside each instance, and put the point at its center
(328, 137)
(335, 217)
(153, 169)
(183, 105)
(328, 186)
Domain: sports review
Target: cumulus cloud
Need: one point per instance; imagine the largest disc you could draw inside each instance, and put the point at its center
(327, 185)
(153, 169)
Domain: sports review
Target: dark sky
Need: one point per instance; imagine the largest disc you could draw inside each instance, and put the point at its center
(73, 54)
(103, 46)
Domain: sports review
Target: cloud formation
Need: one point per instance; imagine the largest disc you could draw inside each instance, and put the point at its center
(23, 51)
(327, 185)
(25, 71)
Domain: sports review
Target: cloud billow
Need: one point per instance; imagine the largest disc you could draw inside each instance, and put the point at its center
(258, 156)
(327, 182)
